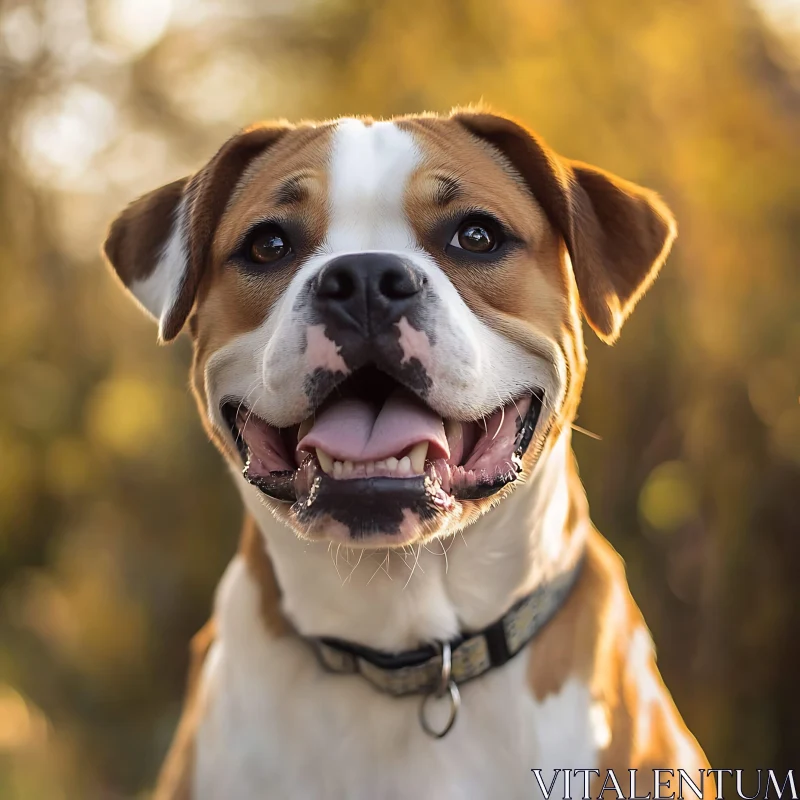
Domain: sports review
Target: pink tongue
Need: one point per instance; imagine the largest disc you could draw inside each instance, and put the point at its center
(352, 430)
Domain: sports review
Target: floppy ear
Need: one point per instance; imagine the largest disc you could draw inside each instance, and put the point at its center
(617, 233)
(160, 243)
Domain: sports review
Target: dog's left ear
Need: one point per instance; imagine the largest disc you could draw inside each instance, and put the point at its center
(617, 233)
(160, 243)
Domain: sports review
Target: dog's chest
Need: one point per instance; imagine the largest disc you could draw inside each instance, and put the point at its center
(273, 724)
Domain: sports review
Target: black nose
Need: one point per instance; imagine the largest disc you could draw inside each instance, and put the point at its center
(367, 291)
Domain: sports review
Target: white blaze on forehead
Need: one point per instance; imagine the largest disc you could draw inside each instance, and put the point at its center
(369, 172)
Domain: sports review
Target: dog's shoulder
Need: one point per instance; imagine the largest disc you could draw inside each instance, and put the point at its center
(175, 778)
(600, 639)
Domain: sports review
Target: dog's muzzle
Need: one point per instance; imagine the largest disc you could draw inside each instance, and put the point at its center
(373, 455)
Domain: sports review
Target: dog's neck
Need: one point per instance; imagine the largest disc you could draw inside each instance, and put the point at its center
(395, 600)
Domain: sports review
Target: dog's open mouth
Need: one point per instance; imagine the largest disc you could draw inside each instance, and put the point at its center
(372, 440)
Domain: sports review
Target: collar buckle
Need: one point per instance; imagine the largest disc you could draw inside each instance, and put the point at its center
(435, 670)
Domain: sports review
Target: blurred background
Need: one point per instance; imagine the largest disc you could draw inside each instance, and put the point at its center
(116, 515)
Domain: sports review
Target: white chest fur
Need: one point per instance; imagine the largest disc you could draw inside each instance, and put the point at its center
(276, 725)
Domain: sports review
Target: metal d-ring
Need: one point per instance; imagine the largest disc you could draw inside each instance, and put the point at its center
(446, 685)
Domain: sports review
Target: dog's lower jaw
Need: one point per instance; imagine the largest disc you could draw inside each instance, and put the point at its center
(393, 600)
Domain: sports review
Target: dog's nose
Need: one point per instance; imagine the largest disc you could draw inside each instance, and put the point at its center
(367, 291)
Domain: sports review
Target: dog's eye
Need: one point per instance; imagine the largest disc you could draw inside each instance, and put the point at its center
(269, 245)
(477, 236)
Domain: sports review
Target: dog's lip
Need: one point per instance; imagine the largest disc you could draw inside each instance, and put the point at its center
(282, 484)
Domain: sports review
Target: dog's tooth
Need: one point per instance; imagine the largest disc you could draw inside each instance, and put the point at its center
(380, 465)
(325, 461)
(391, 463)
(417, 457)
(404, 466)
(369, 468)
(305, 427)
(337, 469)
(347, 468)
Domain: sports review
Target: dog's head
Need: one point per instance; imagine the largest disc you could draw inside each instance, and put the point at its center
(386, 315)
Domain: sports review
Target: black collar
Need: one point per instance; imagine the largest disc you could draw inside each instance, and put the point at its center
(437, 669)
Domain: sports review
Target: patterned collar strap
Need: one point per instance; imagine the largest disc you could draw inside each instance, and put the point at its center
(437, 670)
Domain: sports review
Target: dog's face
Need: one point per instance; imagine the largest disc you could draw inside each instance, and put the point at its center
(386, 315)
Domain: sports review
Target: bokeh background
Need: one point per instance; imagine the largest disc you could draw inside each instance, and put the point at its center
(116, 516)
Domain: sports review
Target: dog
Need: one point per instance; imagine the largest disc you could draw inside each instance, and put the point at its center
(388, 352)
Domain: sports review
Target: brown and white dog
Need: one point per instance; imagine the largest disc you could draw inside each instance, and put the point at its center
(386, 320)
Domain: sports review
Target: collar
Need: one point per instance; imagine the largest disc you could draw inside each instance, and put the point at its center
(436, 670)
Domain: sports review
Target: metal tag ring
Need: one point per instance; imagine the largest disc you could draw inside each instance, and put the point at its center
(447, 668)
(455, 704)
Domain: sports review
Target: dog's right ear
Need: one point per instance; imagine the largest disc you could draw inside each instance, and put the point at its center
(159, 244)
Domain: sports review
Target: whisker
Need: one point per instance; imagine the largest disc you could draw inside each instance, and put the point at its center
(415, 553)
(336, 562)
(247, 420)
(330, 553)
(585, 432)
(350, 575)
(405, 554)
(410, 575)
(253, 387)
(385, 565)
(502, 420)
(380, 566)
(444, 553)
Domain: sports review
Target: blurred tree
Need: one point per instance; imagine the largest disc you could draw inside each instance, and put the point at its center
(116, 516)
